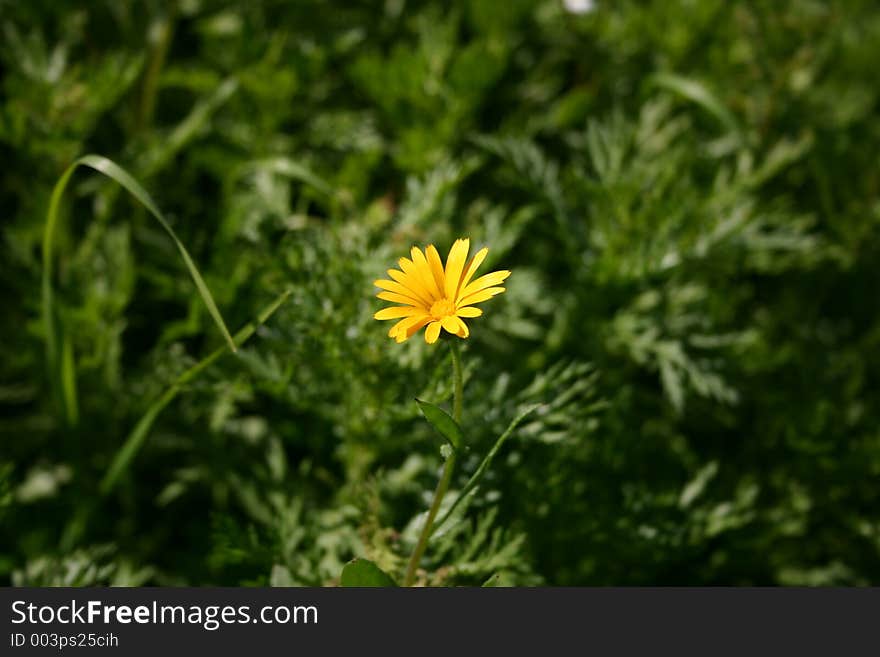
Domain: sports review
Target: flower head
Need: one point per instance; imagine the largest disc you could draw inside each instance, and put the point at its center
(436, 296)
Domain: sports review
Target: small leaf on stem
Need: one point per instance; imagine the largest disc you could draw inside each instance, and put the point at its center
(442, 422)
(363, 572)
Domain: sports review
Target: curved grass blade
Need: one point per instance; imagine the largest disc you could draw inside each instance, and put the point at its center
(63, 371)
(697, 93)
(67, 381)
(484, 465)
(138, 435)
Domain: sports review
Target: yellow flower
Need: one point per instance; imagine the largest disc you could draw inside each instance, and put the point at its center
(434, 296)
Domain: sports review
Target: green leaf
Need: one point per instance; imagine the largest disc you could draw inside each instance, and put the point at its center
(498, 580)
(442, 422)
(363, 572)
(62, 364)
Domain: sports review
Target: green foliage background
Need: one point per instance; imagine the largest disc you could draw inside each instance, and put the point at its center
(688, 196)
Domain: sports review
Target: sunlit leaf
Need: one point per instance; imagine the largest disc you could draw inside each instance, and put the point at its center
(363, 572)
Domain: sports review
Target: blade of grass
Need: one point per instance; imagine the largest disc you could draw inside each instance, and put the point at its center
(64, 371)
(68, 381)
(164, 30)
(57, 373)
(484, 465)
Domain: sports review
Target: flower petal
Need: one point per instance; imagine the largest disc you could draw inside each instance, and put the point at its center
(454, 325)
(436, 266)
(398, 311)
(482, 295)
(425, 274)
(400, 298)
(415, 288)
(415, 326)
(432, 332)
(489, 280)
(472, 267)
(398, 286)
(469, 311)
(414, 279)
(450, 323)
(454, 265)
(392, 332)
(412, 325)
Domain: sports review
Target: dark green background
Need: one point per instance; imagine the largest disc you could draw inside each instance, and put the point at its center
(687, 194)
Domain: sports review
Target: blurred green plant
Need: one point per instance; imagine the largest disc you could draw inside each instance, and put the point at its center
(689, 196)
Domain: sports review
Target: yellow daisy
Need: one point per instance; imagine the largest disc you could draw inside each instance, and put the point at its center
(434, 296)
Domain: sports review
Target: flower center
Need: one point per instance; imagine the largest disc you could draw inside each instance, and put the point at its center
(442, 308)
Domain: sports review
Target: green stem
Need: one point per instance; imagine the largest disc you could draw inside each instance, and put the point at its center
(446, 477)
(475, 478)
(457, 380)
(157, 60)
